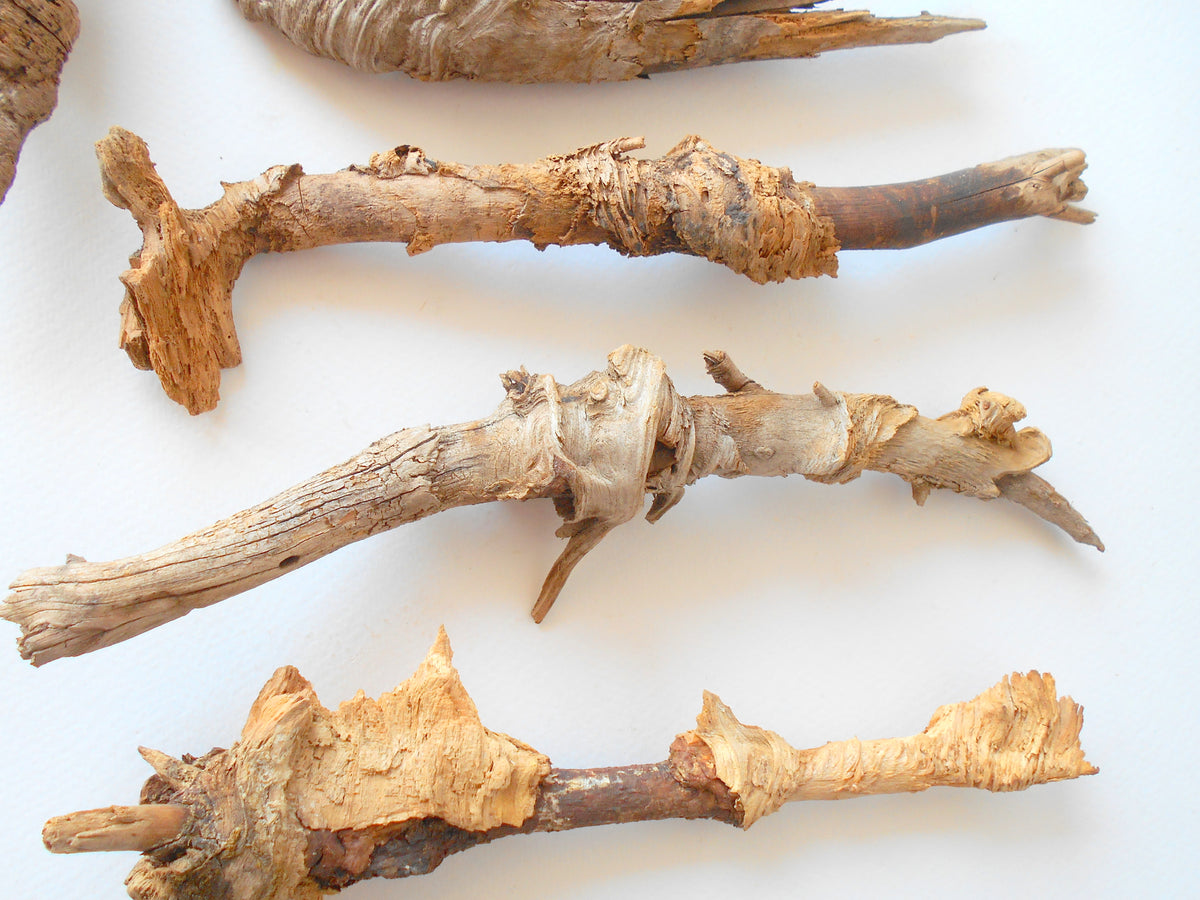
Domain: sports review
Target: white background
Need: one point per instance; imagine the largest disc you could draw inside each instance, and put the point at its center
(821, 612)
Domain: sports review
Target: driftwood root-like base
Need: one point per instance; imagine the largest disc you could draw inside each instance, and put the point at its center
(310, 800)
(35, 38)
(596, 447)
(573, 40)
(177, 314)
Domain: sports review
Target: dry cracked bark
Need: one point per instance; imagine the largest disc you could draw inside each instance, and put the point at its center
(35, 38)
(310, 800)
(595, 447)
(177, 314)
(578, 40)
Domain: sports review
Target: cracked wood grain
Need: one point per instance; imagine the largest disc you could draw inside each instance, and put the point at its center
(596, 447)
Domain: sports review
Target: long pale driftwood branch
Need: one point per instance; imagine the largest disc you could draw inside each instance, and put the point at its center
(578, 40)
(310, 800)
(177, 315)
(35, 38)
(596, 447)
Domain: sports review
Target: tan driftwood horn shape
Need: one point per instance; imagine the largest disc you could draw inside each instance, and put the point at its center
(35, 38)
(177, 315)
(596, 447)
(310, 800)
(578, 40)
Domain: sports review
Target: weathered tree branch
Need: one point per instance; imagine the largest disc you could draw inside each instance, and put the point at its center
(577, 40)
(177, 315)
(596, 447)
(35, 38)
(310, 800)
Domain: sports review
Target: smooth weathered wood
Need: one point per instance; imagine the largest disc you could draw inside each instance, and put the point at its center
(177, 314)
(596, 447)
(35, 38)
(577, 40)
(310, 800)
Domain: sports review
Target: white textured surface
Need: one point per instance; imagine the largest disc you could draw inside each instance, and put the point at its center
(820, 612)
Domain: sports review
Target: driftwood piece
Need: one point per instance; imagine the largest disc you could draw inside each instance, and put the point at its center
(177, 314)
(596, 447)
(577, 40)
(310, 800)
(35, 38)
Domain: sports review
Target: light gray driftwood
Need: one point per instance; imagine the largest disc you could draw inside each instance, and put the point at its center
(177, 314)
(596, 448)
(310, 800)
(35, 38)
(577, 40)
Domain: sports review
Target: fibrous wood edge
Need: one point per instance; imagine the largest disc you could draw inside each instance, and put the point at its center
(310, 800)
(35, 38)
(577, 40)
(596, 447)
(177, 313)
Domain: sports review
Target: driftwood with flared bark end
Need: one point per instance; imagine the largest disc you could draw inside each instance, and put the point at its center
(177, 315)
(595, 447)
(578, 40)
(35, 38)
(310, 800)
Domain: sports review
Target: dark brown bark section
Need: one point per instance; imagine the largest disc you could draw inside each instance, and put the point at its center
(569, 798)
(895, 216)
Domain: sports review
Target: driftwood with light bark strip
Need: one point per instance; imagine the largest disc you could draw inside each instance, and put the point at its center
(35, 38)
(595, 447)
(578, 40)
(177, 314)
(310, 800)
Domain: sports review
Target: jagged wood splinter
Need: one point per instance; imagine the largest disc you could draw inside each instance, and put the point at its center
(578, 40)
(35, 38)
(177, 314)
(595, 447)
(310, 800)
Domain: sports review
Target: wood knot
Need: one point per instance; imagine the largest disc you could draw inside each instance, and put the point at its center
(402, 160)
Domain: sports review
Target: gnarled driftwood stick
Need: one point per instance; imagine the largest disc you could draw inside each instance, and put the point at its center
(577, 40)
(177, 315)
(310, 800)
(35, 38)
(596, 447)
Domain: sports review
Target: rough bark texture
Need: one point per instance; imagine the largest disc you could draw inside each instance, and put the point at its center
(576, 40)
(177, 314)
(410, 786)
(596, 447)
(35, 38)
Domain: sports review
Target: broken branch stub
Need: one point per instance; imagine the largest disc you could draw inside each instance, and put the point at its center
(310, 800)
(177, 314)
(556, 40)
(35, 38)
(596, 448)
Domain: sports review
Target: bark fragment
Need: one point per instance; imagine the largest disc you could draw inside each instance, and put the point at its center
(35, 38)
(596, 447)
(577, 40)
(244, 823)
(177, 314)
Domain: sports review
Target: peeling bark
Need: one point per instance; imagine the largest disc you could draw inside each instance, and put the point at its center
(35, 38)
(253, 822)
(577, 40)
(596, 447)
(177, 314)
